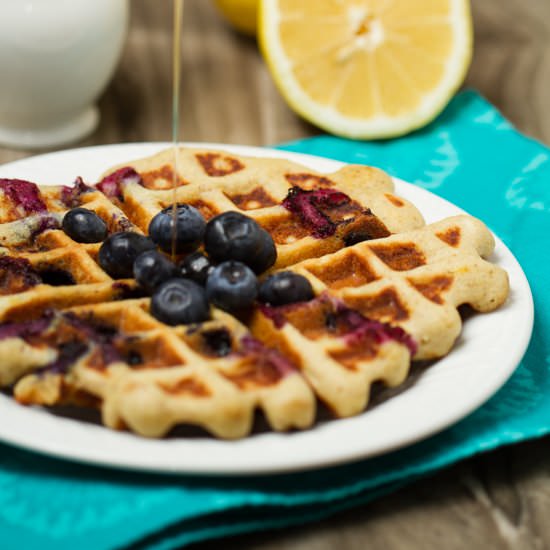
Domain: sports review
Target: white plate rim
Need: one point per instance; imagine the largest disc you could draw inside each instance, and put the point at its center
(328, 444)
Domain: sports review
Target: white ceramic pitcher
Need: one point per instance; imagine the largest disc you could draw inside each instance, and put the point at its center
(56, 57)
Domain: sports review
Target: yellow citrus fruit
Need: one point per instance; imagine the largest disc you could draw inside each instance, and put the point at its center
(242, 14)
(366, 68)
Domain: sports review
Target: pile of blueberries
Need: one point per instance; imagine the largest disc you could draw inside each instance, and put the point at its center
(236, 250)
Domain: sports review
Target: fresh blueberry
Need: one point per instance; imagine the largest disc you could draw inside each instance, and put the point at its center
(189, 229)
(285, 287)
(84, 226)
(118, 253)
(233, 236)
(152, 268)
(266, 256)
(232, 286)
(179, 302)
(196, 267)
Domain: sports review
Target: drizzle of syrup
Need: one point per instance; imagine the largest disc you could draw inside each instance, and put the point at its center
(176, 79)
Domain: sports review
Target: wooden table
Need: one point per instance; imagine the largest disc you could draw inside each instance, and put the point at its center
(500, 500)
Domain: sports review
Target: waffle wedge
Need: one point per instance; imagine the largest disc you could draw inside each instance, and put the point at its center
(149, 377)
(353, 203)
(413, 281)
(40, 266)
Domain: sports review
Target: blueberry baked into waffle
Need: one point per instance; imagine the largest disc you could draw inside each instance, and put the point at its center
(272, 288)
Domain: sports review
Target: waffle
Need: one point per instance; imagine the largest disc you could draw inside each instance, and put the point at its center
(413, 281)
(214, 182)
(148, 377)
(70, 334)
(40, 266)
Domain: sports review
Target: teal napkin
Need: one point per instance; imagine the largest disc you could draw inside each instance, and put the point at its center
(469, 155)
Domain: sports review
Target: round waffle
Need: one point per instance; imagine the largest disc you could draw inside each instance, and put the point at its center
(69, 333)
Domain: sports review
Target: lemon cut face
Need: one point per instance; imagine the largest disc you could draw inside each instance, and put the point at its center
(367, 68)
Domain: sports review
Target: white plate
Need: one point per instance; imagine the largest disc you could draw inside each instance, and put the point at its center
(488, 351)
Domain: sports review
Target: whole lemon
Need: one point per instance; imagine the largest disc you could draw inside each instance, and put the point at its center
(242, 14)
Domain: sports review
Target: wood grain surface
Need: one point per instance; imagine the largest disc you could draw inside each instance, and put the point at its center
(499, 500)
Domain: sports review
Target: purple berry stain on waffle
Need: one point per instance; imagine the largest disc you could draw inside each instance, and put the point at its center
(73, 336)
(307, 206)
(360, 327)
(269, 356)
(23, 194)
(347, 323)
(71, 196)
(101, 335)
(17, 275)
(47, 221)
(69, 353)
(112, 184)
(26, 329)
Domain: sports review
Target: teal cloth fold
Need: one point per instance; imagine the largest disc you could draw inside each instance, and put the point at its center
(471, 156)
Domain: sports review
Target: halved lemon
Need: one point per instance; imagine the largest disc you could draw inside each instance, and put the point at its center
(367, 68)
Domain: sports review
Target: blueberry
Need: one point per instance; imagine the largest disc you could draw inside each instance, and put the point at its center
(84, 226)
(119, 252)
(196, 267)
(152, 268)
(217, 342)
(189, 229)
(232, 286)
(179, 302)
(266, 256)
(285, 287)
(233, 236)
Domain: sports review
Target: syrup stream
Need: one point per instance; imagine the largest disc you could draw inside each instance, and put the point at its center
(176, 79)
